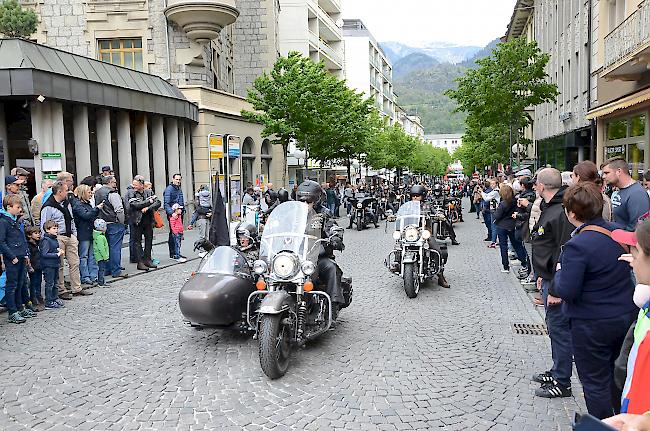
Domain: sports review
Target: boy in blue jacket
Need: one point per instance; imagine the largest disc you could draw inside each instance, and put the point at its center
(50, 262)
(13, 247)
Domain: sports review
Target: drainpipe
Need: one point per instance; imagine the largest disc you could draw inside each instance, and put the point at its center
(169, 66)
(592, 122)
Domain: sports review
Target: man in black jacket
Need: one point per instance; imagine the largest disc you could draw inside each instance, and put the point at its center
(548, 236)
(140, 206)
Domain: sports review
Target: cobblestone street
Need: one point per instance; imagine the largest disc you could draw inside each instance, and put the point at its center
(448, 359)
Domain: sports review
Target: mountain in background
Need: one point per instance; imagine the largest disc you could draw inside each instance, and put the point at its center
(420, 81)
(444, 52)
(411, 63)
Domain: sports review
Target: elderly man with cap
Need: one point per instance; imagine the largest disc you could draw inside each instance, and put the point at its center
(37, 201)
(13, 187)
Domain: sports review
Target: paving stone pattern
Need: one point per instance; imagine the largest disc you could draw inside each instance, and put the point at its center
(123, 359)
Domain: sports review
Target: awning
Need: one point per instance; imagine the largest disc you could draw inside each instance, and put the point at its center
(626, 102)
(28, 69)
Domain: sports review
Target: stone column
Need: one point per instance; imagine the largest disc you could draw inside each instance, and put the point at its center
(158, 147)
(171, 131)
(125, 175)
(58, 134)
(189, 178)
(142, 145)
(81, 142)
(42, 133)
(182, 166)
(104, 147)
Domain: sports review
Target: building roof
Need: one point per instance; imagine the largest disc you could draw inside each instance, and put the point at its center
(520, 15)
(29, 69)
(443, 136)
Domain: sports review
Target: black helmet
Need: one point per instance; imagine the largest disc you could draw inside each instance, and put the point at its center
(310, 192)
(271, 197)
(246, 230)
(418, 190)
(437, 190)
(283, 195)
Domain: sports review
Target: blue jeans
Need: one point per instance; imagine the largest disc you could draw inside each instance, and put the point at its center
(559, 332)
(87, 265)
(115, 235)
(14, 287)
(487, 218)
(102, 264)
(35, 284)
(178, 238)
(504, 236)
(332, 208)
(51, 276)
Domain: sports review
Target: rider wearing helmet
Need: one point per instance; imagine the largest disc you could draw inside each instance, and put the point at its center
(320, 219)
(247, 242)
(283, 195)
(272, 201)
(439, 198)
(418, 193)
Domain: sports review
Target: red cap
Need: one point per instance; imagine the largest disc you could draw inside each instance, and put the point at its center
(624, 237)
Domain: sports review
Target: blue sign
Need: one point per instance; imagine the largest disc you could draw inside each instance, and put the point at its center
(233, 147)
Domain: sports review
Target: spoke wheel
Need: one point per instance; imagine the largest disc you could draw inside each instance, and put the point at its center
(275, 346)
(411, 280)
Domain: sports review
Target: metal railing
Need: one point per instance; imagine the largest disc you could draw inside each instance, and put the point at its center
(330, 52)
(628, 36)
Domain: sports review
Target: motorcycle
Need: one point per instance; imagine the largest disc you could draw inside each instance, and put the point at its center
(452, 210)
(383, 206)
(362, 212)
(216, 295)
(438, 216)
(292, 310)
(412, 258)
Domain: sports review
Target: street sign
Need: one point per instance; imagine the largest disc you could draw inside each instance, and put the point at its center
(216, 146)
(51, 162)
(234, 149)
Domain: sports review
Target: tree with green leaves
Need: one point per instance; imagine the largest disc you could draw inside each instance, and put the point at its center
(495, 97)
(298, 99)
(16, 21)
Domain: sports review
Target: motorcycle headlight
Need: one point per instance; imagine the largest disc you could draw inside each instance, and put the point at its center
(285, 265)
(308, 268)
(259, 267)
(396, 235)
(359, 206)
(426, 234)
(411, 234)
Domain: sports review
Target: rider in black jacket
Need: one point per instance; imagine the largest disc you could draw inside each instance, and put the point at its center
(440, 199)
(320, 219)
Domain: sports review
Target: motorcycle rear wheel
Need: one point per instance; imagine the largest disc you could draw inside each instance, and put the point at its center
(359, 223)
(274, 345)
(411, 280)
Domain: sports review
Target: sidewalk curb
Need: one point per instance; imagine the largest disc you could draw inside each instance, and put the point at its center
(139, 273)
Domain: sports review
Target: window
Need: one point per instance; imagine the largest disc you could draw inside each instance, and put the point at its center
(617, 129)
(121, 52)
(637, 125)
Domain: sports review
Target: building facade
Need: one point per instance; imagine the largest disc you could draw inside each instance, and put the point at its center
(620, 72)
(412, 124)
(196, 55)
(313, 28)
(367, 69)
(450, 142)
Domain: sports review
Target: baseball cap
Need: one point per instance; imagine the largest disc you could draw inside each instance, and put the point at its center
(106, 169)
(624, 237)
(524, 173)
(19, 171)
(10, 179)
(176, 206)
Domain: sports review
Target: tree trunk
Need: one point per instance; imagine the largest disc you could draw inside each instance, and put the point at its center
(285, 167)
(347, 165)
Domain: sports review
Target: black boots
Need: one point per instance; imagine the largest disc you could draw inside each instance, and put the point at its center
(442, 281)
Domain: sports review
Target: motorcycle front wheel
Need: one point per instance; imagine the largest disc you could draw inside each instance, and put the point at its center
(359, 223)
(275, 346)
(411, 280)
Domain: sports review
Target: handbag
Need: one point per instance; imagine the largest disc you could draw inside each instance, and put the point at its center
(157, 220)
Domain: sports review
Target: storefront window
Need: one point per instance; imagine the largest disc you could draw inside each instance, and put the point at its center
(617, 129)
(615, 151)
(637, 125)
(635, 159)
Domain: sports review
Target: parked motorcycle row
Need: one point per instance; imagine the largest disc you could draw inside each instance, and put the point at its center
(281, 282)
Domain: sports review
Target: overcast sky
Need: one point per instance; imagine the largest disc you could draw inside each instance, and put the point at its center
(412, 22)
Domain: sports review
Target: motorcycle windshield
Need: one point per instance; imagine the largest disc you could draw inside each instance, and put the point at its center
(286, 230)
(224, 260)
(408, 214)
(250, 214)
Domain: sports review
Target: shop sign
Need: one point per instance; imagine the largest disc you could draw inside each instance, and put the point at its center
(615, 151)
(216, 146)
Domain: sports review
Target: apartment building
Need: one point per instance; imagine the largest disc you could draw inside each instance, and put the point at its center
(138, 86)
(412, 124)
(367, 69)
(620, 72)
(450, 142)
(313, 28)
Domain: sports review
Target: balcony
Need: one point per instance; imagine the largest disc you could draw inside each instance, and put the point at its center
(627, 47)
(202, 20)
(330, 6)
(332, 54)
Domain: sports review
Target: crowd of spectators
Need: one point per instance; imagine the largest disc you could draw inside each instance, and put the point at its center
(583, 241)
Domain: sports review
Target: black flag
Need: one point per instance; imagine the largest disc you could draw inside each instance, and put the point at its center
(219, 229)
